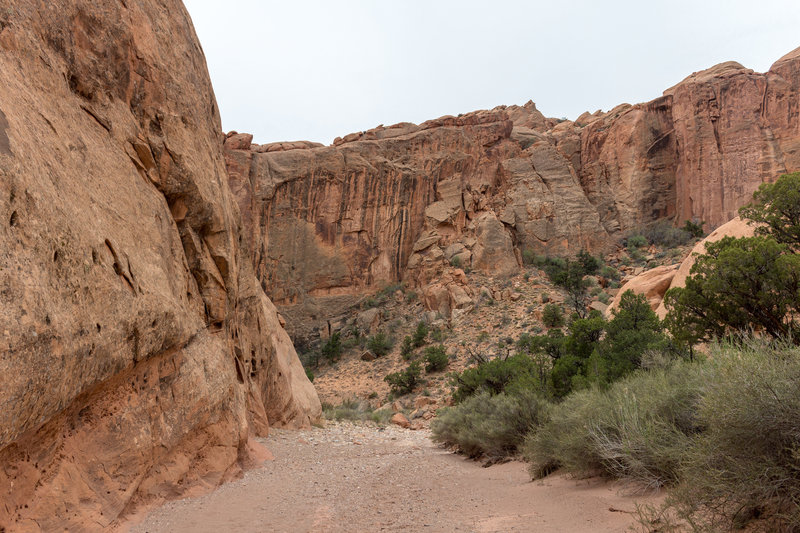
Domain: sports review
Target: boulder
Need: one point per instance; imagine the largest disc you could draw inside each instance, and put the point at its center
(400, 419)
(493, 253)
(369, 320)
(652, 284)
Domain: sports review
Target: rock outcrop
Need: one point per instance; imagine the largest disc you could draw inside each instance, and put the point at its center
(653, 284)
(406, 202)
(138, 353)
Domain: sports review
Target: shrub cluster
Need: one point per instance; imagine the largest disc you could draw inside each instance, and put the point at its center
(380, 344)
(489, 425)
(405, 381)
(436, 358)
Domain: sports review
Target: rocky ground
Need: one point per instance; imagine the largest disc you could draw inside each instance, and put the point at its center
(348, 477)
(504, 308)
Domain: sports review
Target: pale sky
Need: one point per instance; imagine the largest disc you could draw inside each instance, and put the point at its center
(318, 69)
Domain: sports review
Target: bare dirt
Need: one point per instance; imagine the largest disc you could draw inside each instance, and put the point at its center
(348, 477)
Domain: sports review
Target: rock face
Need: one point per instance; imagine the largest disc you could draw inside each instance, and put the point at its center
(406, 202)
(137, 351)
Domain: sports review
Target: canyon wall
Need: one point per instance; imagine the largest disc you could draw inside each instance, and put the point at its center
(406, 202)
(138, 353)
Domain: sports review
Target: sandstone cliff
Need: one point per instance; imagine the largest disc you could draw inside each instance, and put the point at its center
(328, 223)
(137, 351)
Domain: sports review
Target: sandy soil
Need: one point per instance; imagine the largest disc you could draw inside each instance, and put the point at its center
(348, 477)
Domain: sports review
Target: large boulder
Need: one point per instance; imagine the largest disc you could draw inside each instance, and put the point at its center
(652, 284)
(493, 254)
(138, 354)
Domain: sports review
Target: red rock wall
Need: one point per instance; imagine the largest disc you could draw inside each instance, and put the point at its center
(137, 351)
(386, 204)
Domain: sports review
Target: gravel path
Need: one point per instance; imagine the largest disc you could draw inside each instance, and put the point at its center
(359, 478)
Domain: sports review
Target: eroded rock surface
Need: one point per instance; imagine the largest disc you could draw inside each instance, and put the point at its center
(137, 351)
(408, 202)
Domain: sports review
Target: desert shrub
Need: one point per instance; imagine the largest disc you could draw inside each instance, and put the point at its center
(437, 334)
(489, 425)
(435, 358)
(420, 334)
(552, 317)
(411, 296)
(609, 272)
(695, 229)
(380, 344)
(310, 375)
(635, 241)
(356, 411)
(456, 261)
(405, 381)
(636, 430)
(310, 358)
(589, 263)
(332, 349)
(662, 233)
(407, 348)
(744, 470)
(493, 376)
(604, 297)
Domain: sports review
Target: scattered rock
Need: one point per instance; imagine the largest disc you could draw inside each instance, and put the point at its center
(400, 420)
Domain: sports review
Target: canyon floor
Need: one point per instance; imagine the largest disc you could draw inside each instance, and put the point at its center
(353, 477)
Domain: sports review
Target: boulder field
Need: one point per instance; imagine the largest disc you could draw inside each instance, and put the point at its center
(138, 352)
(327, 224)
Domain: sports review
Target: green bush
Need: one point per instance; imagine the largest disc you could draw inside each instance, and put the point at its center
(662, 233)
(435, 358)
(493, 376)
(455, 261)
(407, 348)
(420, 334)
(636, 430)
(636, 241)
(332, 349)
(310, 375)
(609, 272)
(743, 471)
(380, 344)
(405, 381)
(529, 257)
(489, 425)
(695, 229)
(552, 317)
(356, 411)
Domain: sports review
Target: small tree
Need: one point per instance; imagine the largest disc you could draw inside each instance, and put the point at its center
(407, 348)
(435, 358)
(406, 381)
(379, 344)
(746, 284)
(634, 330)
(552, 317)
(332, 349)
(572, 279)
(420, 334)
(695, 229)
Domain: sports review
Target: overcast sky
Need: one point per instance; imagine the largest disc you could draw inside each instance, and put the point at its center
(315, 70)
